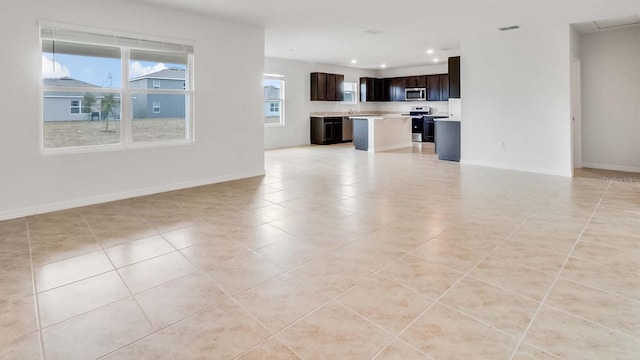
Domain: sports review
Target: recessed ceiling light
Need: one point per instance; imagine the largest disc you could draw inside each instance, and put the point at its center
(383, 66)
(354, 61)
(436, 60)
(430, 51)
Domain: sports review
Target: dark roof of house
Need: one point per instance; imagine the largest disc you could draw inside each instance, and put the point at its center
(66, 81)
(171, 73)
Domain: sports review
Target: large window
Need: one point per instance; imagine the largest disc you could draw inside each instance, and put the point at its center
(273, 100)
(101, 89)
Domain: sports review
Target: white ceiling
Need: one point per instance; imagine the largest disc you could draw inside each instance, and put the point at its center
(334, 31)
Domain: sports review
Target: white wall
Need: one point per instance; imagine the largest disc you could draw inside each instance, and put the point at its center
(228, 114)
(516, 90)
(298, 106)
(611, 99)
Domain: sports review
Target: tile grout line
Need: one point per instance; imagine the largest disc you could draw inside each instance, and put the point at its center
(201, 311)
(117, 272)
(437, 299)
(544, 299)
(321, 305)
(483, 322)
(113, 302)
(376, 325)
(335, 299)
(608, 292)
(35, 293)
(620, 332)
(207, 308)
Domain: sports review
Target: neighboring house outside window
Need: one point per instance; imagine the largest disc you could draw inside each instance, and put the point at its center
(83, 78)
(274, 104)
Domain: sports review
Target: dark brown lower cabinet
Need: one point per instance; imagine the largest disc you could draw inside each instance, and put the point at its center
(326, 130)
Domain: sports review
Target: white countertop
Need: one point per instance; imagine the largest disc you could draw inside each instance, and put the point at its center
(380, 117)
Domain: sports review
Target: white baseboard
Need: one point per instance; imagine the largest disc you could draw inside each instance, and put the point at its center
(93, 200)
(391, 147)
(494, 165)
(611, 167)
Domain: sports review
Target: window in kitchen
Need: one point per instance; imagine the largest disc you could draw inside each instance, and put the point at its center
(350, 91)
(104, 89)
(273, 100)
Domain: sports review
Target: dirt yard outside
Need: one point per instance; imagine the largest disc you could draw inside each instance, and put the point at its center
(58, 134)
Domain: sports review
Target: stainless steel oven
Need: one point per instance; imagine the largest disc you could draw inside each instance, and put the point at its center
(418, 114)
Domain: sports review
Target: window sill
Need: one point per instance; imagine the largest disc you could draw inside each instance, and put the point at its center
(114, 147)
(273, 125)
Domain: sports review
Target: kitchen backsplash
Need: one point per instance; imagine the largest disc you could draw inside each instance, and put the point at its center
(437, 107)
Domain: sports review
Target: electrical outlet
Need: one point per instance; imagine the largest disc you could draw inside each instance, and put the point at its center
(501, 144)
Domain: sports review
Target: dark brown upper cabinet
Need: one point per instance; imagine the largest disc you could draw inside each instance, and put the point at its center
(412, 82)
(433, 87)
(393, 89)
(454, 77)
(444, 87)
(399, 85)
(331, 87)
(438, 87)
(368, 89)
(326, 87)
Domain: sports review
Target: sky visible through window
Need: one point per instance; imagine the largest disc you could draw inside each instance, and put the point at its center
(271, 82)
(101, 72)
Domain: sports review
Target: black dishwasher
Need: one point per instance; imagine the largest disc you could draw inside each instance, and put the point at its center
(326, 130)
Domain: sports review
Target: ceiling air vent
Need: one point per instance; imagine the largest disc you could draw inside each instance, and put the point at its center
(374, 32)
(507, 28)
(617, 22)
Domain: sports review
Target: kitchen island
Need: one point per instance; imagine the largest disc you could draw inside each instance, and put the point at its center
(381, 132)
(448, 138)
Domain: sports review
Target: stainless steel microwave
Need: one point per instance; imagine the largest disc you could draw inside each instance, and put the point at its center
(415, 94)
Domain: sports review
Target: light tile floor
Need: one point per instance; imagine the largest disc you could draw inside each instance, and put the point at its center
(335, 254)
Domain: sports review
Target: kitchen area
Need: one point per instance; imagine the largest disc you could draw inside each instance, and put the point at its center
(426, 109)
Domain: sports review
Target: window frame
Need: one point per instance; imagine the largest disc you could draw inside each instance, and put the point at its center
(155, 105)
(156, 85)
(355, 93)
(125, 92)
(281, 100)
(72, 107)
